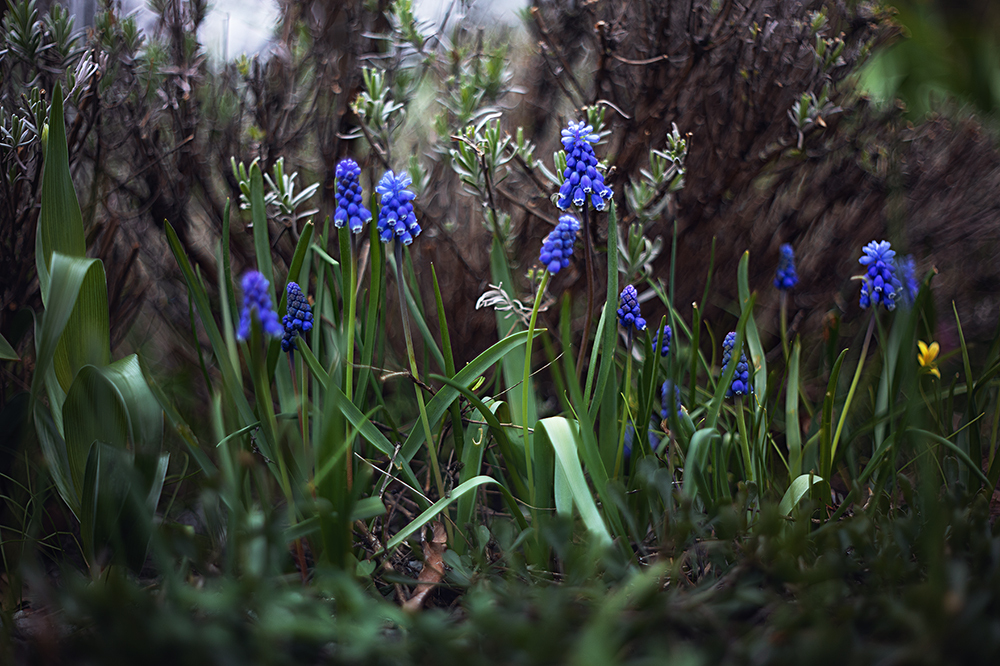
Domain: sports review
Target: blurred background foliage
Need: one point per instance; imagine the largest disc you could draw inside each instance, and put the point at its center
(948, 51)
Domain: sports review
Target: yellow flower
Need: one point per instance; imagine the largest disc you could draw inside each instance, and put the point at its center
(927, 356)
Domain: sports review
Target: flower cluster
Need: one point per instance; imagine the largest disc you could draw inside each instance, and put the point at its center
(666, 335)
(786, 277)
(741, 378)
(299, 318)
(351, 209)
(257, 300)
(666, 390)
(628, 313)
(880, 283)
(581, 177)
(395, 217)
(558, 245)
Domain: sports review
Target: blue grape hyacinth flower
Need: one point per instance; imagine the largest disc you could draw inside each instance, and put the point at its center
(557, 247)
(628, 313)
(395, 217)
(351, 209)
(257, 303)
(908, 278)
(299, 319)
(880, 283)
(741, 378)
(629, 442)
(670, 392)
(786, 277)
(581, 179)
(665, 335)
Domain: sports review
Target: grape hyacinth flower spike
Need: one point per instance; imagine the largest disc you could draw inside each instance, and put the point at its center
(786, 277)
(299, 319)
(666, 334)
(880, 284)
(257, 304)
(395, 217)
(908, 278)
(628, 313)
(351, 209)
(741, 378)
(669, 391)
(581, 179)
(557, 247)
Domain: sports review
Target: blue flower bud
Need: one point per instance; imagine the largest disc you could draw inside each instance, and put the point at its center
(257, 303)
(299, 317)
(351, 209)
(741, 378)
(628, 313)
(786, 277)
(558, 245)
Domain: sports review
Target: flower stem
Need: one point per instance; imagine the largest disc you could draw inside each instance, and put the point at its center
(589, 264)
(435, 467)
(744, 441)
(784, 323)
(350, 295)
(524, 384)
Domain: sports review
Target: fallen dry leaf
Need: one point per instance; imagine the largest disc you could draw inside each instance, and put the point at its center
(433, 569)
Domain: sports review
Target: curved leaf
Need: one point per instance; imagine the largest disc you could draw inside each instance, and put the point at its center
(561, 433)
(799, 487)
(93, 411)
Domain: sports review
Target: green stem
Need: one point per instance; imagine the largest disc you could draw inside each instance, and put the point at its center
(435, 467)
(784, 323)
(850, 395)
(350, 294)
(744, 441)
(589, 264)
(525, 383)
(620, 456)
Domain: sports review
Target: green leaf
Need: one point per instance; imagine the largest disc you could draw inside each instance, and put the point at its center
(793, 430)
(796, 491)
(60, 223)
(438, 405)
(7, 352)
(757, 357)
(93, 411)
(443, 503)
(561, 434)
(56, 458)
(144, 412)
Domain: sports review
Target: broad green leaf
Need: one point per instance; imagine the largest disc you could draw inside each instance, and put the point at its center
(94, 411)
(69, 274)
(60, 223)
(561, 434)
(54, 451)
(796, 491)
(86, 340)
(144, 412)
